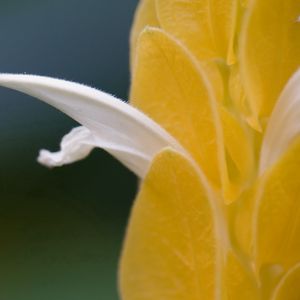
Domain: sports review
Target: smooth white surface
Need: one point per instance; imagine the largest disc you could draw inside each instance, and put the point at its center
(123, 131)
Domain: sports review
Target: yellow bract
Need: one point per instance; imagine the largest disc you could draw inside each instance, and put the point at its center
(277, 216)
(233, 170)
(207, 27)
(239, 282)
(172, 248)
(145, 16)
(267, 225)
(176, 240)
(239, 149)
(210, 72)
(239, 99)
(172, 88)
(288, 287)
(241, 221)
(269, 52)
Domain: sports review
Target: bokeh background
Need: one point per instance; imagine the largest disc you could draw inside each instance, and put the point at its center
(61, 230)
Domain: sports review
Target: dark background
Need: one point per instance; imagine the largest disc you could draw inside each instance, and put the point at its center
(61, 230)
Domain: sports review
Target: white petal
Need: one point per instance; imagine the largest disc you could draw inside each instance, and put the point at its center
(113, 125)
(74, 146)
(284, 124)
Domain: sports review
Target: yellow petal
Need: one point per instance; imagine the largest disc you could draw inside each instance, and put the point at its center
(172, 248)
(277, 216)
(206, 27)
(173, 89)
(240, 283)
(288, 287)
(269, 52)
(145, 15)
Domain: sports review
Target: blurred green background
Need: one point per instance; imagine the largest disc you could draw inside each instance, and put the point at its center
(61, 230)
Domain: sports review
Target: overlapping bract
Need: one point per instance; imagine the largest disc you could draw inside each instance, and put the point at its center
(211, 72)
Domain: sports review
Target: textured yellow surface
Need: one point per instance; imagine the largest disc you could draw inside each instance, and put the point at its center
(171, 249)
(210, 73)
(206, 27)
(239, 282)
(269, 51)
(145, 16)
(277, 219)
(176, 241)
(239, 153)
(288, 287)
(172, 88)
(242, 221)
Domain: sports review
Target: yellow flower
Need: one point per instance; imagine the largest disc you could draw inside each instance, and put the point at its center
(211, 72)
(217, 215)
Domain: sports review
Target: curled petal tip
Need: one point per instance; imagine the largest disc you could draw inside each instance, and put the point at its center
(75, 146)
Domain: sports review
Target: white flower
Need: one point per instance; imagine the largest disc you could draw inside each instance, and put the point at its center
(108, 123)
